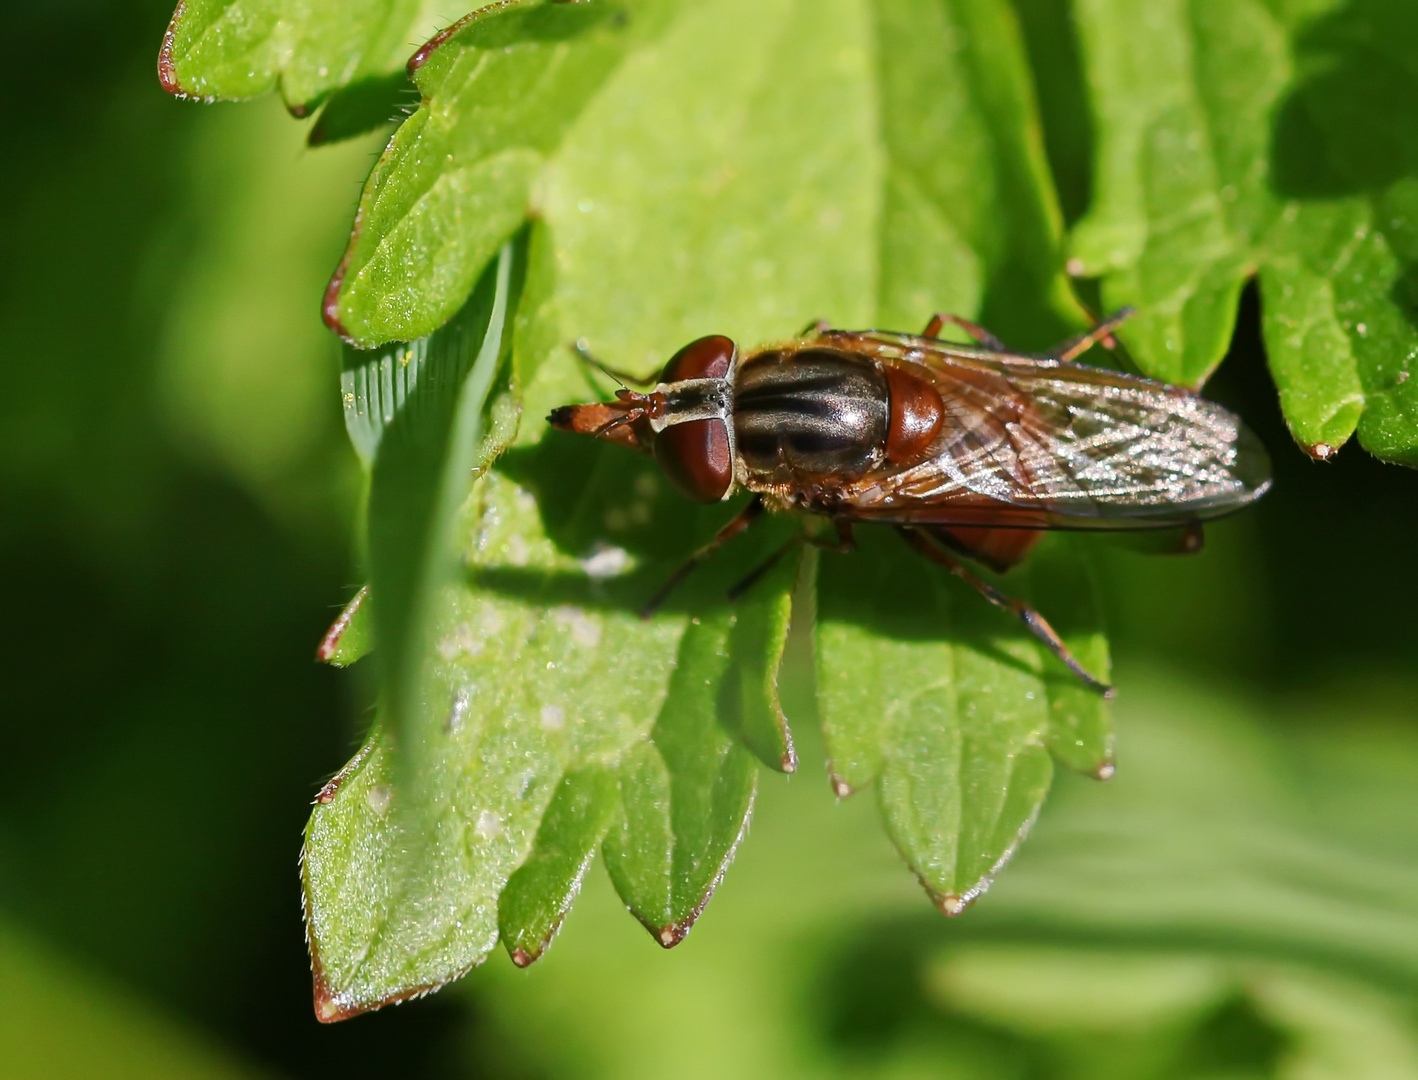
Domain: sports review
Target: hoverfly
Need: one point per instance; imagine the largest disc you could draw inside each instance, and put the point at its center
(971, 451)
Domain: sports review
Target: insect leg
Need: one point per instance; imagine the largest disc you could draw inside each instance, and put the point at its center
(581, 349)
(1035, 623)
(979, 333)
(1077, 346)
(845, 543)
(737, 524)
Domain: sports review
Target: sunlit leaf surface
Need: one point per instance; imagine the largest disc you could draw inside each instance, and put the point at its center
(682, 185)
(500, 89)
(685, 795)
(951, 709)
(1236, 138)
(237, 49)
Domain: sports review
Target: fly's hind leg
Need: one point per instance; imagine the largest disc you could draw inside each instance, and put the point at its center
(941, 318)
(846, 541)
(1103, 332)
(1035, 623)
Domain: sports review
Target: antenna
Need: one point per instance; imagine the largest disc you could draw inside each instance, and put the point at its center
(581, 347)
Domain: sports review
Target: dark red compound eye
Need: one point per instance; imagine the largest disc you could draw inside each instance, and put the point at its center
(695, 455)
(708, 358)
(695, 459)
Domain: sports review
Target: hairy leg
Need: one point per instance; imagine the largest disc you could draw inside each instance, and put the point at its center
(1035, 623)
(737, 524)
(1103, 332)
(846, 542)
(979, 333)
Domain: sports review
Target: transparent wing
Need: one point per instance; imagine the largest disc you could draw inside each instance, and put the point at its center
(1041, 443)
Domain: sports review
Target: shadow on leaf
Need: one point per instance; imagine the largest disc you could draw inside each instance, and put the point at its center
(1351, 124)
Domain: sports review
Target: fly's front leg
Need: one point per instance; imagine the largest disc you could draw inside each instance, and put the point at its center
(1103, 332)
(979, 333)
(1035, 623)
(846, 542)
(737, 524)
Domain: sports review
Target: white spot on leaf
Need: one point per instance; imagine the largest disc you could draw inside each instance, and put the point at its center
(491, 621)
(463, 641)
(462, 700)
(585, 629)
(489, 825)
(379, 796)
(517, 551)
(605, 561)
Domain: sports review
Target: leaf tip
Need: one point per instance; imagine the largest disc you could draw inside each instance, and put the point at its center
(330, 304)
(429, 47)
(326, 1009)
(950, 904)
(840, 787)
(526, 955)
(332, 1006)
(329, 1007)
(1105, 770)
(167, 70)
(1321, 451)
(953, 904)
(328, 651)
(671, 934)
(327, 794)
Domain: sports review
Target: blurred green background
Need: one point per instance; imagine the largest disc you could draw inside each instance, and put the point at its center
(1241, 901)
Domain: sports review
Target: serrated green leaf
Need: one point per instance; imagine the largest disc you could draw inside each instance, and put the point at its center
(402, 893)
(350, 636)
(516, 692)
(965, 192)
(686, 795)
(538, 896)
(539, 666)
(240, 49)
(949, 706)
(698, 190)
(500, 89)
(972, 222)
(1237, 138)
(968, 208)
